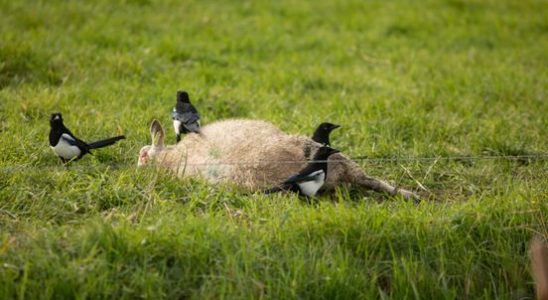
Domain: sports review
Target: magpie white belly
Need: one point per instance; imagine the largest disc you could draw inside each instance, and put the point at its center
(66, 150)
(310, 188)
(176, 126)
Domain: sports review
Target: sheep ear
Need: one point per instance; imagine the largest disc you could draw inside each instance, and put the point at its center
(157, 134)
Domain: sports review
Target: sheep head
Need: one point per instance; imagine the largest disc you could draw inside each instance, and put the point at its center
(150, 153)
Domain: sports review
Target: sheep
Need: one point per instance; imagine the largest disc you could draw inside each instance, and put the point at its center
(253, 154)
(539, 266)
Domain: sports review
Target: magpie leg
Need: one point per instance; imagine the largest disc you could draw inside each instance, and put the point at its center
(178, 138)
(64, 161)
(309, 200)
(273, 190)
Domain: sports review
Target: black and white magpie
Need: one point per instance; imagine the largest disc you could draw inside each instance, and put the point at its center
(185, 116)
(321, 135)
(310, 179)
(67, 146)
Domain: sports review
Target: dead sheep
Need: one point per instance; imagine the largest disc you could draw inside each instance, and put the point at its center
(252, 154)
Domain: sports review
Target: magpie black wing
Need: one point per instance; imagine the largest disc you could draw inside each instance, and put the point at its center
(190, 122)
(81, 143)
(192, 127)
(74, 141)
(186, 117)
(194, 111)
(69, 139)
(282, 188)
(189, 117)
(273, 190)
(299, 178)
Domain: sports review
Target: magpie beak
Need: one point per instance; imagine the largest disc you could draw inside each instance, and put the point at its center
(310, 179)
(67, 146)
(185, 116)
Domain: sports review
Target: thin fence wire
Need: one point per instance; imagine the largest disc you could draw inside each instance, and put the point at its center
(543, 156)
(528, 158)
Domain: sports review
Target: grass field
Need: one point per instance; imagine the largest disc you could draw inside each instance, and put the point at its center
(443, 78)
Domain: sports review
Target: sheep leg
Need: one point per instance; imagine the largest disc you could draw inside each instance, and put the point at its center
(343, 170)
(377, 185)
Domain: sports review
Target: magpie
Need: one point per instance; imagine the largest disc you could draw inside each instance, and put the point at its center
(310, 179)
(67, 146)
(185, 116)
(321, 135)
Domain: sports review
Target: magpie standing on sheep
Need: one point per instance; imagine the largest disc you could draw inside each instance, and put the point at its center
(185, 116)
(67, 146)
(321, 135)
(310, 179)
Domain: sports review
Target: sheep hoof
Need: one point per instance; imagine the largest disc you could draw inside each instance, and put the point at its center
(408, 195)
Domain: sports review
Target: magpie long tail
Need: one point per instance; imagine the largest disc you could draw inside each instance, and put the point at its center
(106, 142)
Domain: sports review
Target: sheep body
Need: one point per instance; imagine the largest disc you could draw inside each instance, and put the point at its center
(252, 154)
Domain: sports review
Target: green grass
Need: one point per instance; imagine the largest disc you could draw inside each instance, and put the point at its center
(455, 77)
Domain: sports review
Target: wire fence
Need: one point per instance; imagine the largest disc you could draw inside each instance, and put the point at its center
(521, 158)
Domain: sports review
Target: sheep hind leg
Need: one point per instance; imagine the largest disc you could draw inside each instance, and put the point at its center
(343, 170)
(377, 185)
